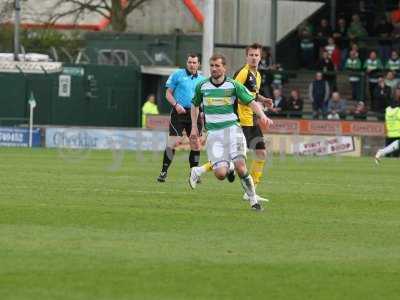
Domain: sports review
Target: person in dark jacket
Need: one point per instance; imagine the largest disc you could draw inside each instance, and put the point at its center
(318, 92)
(383, 98)
(280, 104)
(295, 105)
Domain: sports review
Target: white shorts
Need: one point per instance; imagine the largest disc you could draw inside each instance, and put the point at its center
(225, 144)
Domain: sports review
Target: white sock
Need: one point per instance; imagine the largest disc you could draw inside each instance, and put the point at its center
(248, 186)
(390, 148)
(231, 167)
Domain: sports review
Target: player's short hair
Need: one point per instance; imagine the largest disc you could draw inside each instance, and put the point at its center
(254, 46)
(194, 55)
(217, 56)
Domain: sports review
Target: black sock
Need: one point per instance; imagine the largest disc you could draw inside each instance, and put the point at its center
(194, 158)
(168, 156)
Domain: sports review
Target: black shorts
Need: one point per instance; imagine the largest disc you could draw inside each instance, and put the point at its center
(254, 137)
(180, 122)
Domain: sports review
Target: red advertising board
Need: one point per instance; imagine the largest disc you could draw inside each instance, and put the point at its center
(308, 127)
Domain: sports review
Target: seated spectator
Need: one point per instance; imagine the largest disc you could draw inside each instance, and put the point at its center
(336, 107)
(334, 52)
(383, 97)
(391, 82)
(359, 111)
(353, 64)
(383, 31)
(356, 29)
(393, 64)
(318, 92)
(280, 104)
(325, 65)
(295, 105)
(373, 67)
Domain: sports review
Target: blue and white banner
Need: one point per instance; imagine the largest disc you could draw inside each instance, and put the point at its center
(19, 137)
(129, 139)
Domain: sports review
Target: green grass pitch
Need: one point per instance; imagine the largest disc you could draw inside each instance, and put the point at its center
(97, 225)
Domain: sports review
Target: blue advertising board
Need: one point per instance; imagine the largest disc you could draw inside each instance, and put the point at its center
(19, 137)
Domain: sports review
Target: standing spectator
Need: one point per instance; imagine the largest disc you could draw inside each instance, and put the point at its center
(278, 76)
(322, 33)
(263, 67)
(336, 107)
(326, 66)
(280, 104)
(356, 29)
(372, 66)
(383, 31)
(396, 98)
(395, 18)
(318, 91)
(353, 64)
(359, 112)
(295, 105)
(340, 36)
(149, 108)
(393, 64)
(383, 97)
(334, 52)
(306, 49)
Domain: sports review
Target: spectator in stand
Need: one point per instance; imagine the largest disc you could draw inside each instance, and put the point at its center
(307, 49)
(383, 98)
(354, 66)
(393, 64)
(356, 29)
(340, 36)
(373, 66)
(336, 107)
(264, 67)
(391, 81)
(395, 18)
(396, 99)
(278, 77)
(318, 92)
(367, 13)
(334, 52)
(359, 111)
(280, 104)
(295, 105)
(383, 31)
(323, 32)
(326, 66)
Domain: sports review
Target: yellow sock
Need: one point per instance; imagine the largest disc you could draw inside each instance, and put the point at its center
(207, 166)
(256, 170)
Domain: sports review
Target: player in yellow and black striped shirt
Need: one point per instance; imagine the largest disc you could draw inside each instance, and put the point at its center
(249, 76)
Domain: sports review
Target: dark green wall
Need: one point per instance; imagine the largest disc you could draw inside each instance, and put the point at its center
(116, 101)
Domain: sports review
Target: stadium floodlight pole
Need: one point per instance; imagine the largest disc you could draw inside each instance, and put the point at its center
(274, 28)
(17, 22)
(208, 35)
